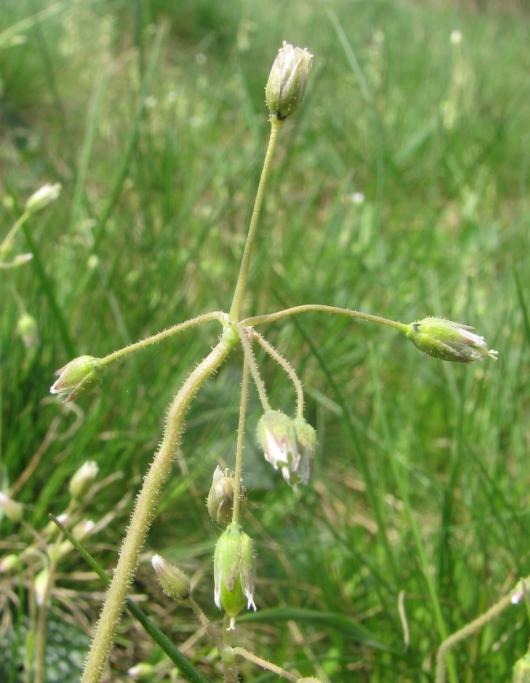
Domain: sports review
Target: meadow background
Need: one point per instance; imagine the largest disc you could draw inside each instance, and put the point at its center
(401, 188)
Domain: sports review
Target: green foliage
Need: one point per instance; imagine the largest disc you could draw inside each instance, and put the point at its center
(154, 122)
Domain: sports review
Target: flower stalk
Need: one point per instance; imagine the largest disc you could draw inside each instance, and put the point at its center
(241, 284)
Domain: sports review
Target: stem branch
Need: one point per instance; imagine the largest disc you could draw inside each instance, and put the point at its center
(160, 336)
(306, 308)
(290, 371)
(251, 361)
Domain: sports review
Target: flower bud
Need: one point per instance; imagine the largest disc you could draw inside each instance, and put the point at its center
(448, 340)
(301, 467)
(75, 377)
(171, 579)
(9, 563)
(82, 479)
(28, 331)
(521, 670)
(139, 671)
(288, 444)
(10, 508)
(234, 572)
(220, 501)
(42, 197)
(287, 80)
(40, 584)
(277, 437)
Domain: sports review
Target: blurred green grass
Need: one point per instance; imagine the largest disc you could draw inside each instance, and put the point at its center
(151, 114)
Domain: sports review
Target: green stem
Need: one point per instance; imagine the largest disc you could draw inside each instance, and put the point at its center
(264, 663)
(468, 630)
(251, 360)
(5, 245)
(240, 442)
(306, 308)
(160, 336)
(241, 284)
(144, 510)
(289, 370)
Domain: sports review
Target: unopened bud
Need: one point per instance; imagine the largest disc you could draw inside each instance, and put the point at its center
(220, 502)
(9, 563)
(40, 585)
(172, 580)
(76, 376)
(139, 671)
(234, 572)
(28, 331)
(521, 670)
(287, 80)
(10, 508)
(42, 197)
(447, 340)
(82, 479)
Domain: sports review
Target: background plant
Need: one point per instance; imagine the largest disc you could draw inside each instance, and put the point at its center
(440, 229)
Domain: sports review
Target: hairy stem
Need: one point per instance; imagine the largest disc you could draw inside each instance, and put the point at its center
(203, 620)
(307, 308)
(240, 442)
(469, 630)
(254, 371)
(160, 336)
(241, 285)
(144, 510)
(264, 664)
(290, 371)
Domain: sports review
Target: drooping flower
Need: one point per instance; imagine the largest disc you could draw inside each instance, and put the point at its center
(289, 445)
(300, 469)
(447, 340)
(277, 438)
(234, 572)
